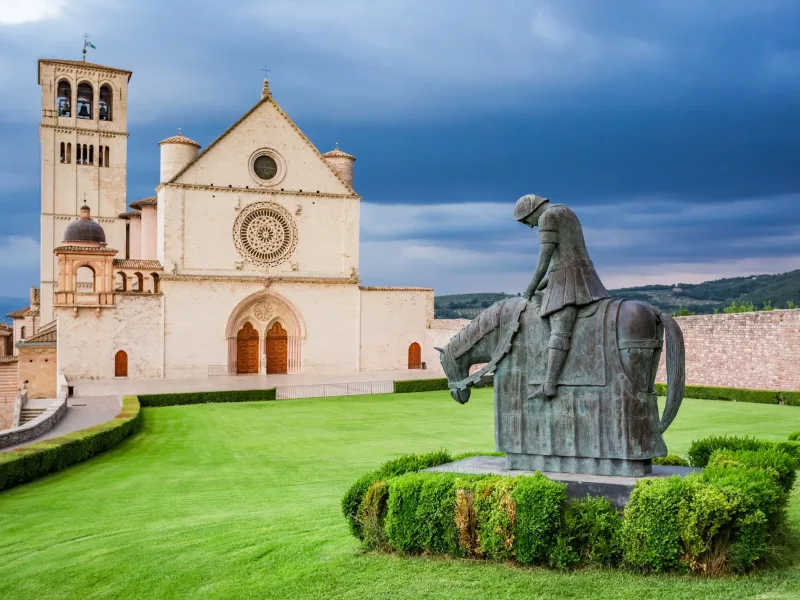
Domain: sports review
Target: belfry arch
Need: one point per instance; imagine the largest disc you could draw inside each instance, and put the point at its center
(263, 310)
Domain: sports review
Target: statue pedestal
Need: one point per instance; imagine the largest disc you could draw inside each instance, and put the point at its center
(576, 464)
(616, 488)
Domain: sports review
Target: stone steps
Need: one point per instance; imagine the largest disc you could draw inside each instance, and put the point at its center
(29, 414)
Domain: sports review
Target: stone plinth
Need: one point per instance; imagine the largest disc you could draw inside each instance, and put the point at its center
(616, 488)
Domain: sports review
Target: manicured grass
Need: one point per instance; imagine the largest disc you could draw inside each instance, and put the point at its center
(242, 501)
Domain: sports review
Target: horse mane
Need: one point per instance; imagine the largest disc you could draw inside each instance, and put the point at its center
(488, 320)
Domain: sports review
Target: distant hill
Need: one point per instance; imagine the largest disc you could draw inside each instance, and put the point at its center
(700, 298)
(8, 305)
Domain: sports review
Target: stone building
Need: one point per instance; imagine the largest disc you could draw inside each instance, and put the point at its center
(245, 260)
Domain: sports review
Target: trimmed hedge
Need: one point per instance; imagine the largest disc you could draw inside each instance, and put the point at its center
(36, 460)
(420, 385)
(155, 400)
(794, 437)
(701, 450)
(701, 392)
(671, 460)
(717, 521)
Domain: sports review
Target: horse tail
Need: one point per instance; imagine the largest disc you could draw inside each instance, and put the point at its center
(676, 368)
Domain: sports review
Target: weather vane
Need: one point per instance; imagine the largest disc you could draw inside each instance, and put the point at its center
(86, 44)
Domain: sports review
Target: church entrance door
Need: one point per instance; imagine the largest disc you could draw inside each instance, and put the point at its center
(247, 350)
(277, 349)
(121, 364)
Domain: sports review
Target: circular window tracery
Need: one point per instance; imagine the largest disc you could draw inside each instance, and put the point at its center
(265, 234)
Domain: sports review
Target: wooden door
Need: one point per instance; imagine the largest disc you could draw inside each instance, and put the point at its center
(247, 350)
(414, 356)
(121, 364)
(277, 349)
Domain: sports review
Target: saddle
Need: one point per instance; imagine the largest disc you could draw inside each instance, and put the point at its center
(588, 339)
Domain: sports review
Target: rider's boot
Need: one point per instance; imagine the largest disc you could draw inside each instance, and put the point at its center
(556, 357)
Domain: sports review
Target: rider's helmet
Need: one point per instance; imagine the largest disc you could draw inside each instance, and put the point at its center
(527, 205)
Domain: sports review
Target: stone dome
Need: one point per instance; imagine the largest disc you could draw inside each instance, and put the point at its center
(336, 153)
(179, 139)
(84, 230)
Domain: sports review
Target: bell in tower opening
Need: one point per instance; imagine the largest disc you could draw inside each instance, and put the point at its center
(85, 101)
(64, 98)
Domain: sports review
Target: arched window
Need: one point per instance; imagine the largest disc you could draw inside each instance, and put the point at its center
(138, 285)
(100, 155)
(22, 332)
(121, 283)
(156, 282)
(107, 163)
(85, 100)
(64, 99)
(104, 106)
(63, 152)
(91, 154)
(85, 280)
(69, 152)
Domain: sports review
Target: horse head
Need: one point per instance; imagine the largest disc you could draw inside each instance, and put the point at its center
(453, 372)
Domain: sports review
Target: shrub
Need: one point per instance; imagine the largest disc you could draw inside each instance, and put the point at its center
(372, 514)
(671, 460)
(700, 392)
(496, 513)
(154, 400)
(794, 437)
(701, 450)
(781, 465)
(405, 464)
(651, 538)
(538, 501)
(36, 460)
(420, 385)
(402, 525)
(589, 533)
(436, 514)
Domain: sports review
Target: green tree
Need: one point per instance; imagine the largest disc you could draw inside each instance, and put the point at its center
(683, 312)
(768, 305)
(791, 304)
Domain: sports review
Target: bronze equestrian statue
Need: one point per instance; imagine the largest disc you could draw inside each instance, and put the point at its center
(573, 369)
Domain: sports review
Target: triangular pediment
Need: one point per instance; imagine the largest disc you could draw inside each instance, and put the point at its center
(228, 161)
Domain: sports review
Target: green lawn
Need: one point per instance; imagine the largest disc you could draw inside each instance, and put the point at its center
(242, 501)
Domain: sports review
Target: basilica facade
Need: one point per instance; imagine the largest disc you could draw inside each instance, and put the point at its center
(244, 260)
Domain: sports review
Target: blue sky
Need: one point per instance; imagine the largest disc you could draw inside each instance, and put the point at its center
(671, 127)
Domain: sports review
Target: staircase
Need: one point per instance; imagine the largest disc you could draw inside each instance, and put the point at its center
(8, 392)
(29, 414)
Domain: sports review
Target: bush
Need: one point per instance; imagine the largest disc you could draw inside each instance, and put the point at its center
(372, 515)
(701, 450)
(405, 464)
(700, 392)
(36, 460)
(794, 437)
(155, 400)
(781, 465)
(590, 533)
(420, 385)
(671, 460)
(496, 514)
(538, 501)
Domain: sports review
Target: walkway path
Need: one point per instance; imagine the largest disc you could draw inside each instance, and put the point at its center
(81, 413)
(121, 387)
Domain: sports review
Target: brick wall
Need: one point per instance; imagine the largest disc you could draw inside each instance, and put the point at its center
(756, 350)
(37, 366)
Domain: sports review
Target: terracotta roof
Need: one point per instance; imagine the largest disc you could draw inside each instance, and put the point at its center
(131, 214)
(18, 314)
(151, 201)
(42, 336)
(336, 153)
(137, 263)
(80, 63)
(240, 120)
(179, 139)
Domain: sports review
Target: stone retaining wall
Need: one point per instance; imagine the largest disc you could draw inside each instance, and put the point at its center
(756, 350)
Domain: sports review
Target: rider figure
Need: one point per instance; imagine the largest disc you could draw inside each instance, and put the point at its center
(565, 273)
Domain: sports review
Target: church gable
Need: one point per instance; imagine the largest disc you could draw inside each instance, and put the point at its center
(264, 150)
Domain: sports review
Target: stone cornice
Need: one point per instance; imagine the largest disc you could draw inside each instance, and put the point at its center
(393, 289)
(62, 129)
(257, 191)
(266, 281)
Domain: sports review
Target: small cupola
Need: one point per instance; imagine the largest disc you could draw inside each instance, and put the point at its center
(176, 152)
(342, 163)
(84, 231)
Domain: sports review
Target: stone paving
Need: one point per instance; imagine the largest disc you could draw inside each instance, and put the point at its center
(82, 412)
(121, 387)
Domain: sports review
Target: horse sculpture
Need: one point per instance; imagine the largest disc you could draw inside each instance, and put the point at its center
(604, 418)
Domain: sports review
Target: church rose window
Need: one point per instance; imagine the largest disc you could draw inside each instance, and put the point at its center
(265, 234)
(265, 167)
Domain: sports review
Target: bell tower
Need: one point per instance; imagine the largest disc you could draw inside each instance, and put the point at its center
(84, 137)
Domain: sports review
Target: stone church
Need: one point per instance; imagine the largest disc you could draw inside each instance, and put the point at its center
(245, 260)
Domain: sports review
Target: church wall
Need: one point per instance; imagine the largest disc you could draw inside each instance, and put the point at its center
(87, 343)
(199, 311)
(391, 320)
(438, 335)
(198, 236)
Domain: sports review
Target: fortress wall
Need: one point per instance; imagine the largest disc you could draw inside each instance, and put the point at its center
(756, 350)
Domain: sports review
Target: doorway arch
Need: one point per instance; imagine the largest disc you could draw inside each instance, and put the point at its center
(414, 356)
(121, 364)
(247, 350)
